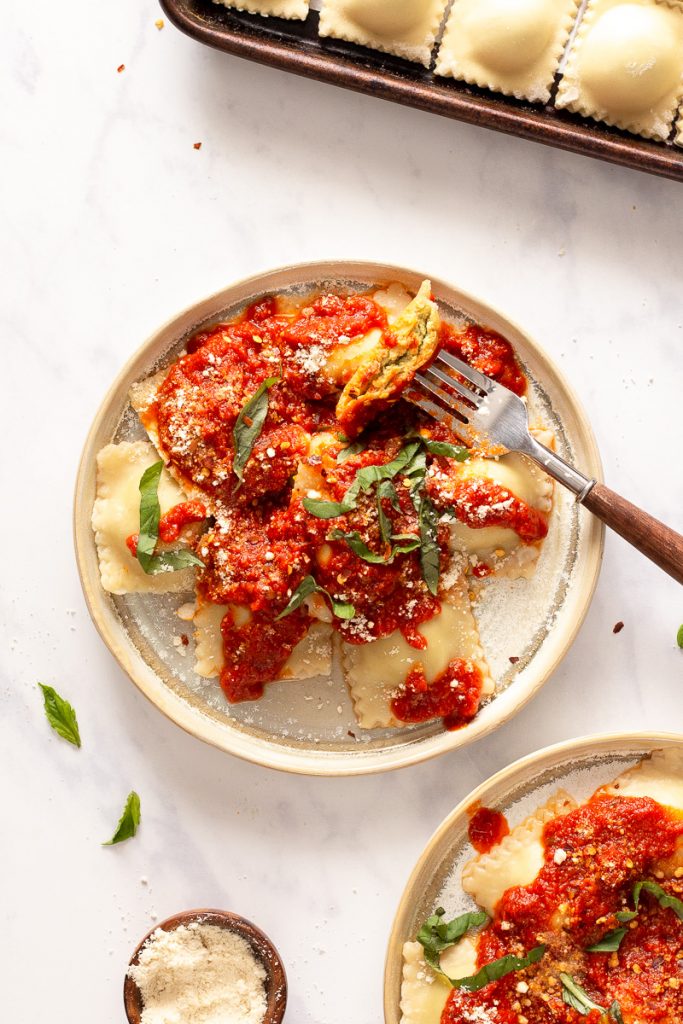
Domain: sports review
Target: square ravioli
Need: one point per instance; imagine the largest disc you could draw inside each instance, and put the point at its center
(293, 9)
(508, 46)
(407, 28)
(626, 66)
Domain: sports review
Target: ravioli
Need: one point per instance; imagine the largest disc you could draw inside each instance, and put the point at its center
(496, 547)
(516, 859)
(116, 516)
(407, 28)
(311, 657)
(509, 46)
(293, 9)
(423, 991)
(392, 363)
(626, 66)
(375, 671)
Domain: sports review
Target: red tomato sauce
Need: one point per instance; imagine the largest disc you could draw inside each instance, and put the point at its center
(453, 696)
(261, 542)
(478, 503)
(486, 829)
(593, 857)
(487, 352)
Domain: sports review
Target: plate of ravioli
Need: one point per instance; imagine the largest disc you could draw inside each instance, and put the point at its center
(295, 563)
(553, 893)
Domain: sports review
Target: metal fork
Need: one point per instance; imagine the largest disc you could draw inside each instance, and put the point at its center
(489, 417)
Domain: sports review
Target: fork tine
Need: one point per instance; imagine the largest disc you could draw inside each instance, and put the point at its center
(446, 416)
(451, 403)
(461, 389)
(480, 380)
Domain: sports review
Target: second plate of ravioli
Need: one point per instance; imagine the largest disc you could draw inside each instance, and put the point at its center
(525, 618)
(576, 872)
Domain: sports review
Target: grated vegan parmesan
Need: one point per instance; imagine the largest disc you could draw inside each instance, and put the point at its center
(199, 974)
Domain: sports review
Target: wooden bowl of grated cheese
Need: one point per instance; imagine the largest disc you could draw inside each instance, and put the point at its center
(202, 965)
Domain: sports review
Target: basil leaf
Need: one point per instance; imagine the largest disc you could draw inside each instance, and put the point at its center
(382, 517)
(129, 821)
(609, 943)
(60, 715)
(679, 636)
(449, 451)
(614, 1011)
(359, 547)
(245, 434)
(308, 586)
(626, 915)
(326, 509)
(150, 514)
(436, 935)
(498, 969)
(576, 997)
(662, 897)
(353, 449)
(387, 490)
(430, 554)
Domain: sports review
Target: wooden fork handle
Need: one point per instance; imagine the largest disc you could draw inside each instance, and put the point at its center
(658, 542)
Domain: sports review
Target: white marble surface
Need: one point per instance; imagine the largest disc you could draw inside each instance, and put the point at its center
(111, 222)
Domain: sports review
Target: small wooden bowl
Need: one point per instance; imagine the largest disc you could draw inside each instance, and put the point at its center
(262, 947)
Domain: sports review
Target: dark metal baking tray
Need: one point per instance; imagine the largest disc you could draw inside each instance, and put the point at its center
(295, 46)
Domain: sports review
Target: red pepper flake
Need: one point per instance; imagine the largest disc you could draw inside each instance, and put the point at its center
(121, 67)
(618, 627)
(197, 145)
(351, 734)
(513, 660)
(184, 639)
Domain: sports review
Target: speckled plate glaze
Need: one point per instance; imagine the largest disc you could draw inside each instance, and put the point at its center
(309, 727)
(579, 766)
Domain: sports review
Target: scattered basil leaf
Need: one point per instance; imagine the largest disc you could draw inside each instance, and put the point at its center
(614, 1011)
(129, 821)
(308, 586)
(662, 897)
(626, 915)
(359, 547)
(609, 943)
(353, 449)
(449, 451)
(498, 969)
(387, 490)
(436, 935)
(150, 514)
(245, 434)
(326, 509)
(60, 715)
(430, 553)
(576, 997)
(679, 636)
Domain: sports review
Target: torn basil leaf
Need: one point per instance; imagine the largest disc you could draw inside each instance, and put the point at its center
(430, 553)
(353, 449)
(498, 969)
(626, 915)
(308, 586)
(150, 514)
(449, 451)
(248, 426)
(60, 715)
(436, 935)
(609, 943)
(326, 509)
(662, 897)
(359, 547)
(129, 821)
(576, 997)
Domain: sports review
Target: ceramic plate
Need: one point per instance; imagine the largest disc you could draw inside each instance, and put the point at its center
(309, 727)
(579, 766)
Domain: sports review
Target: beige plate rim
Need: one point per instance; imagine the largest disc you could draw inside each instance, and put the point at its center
(316, 761)
(492, 792)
